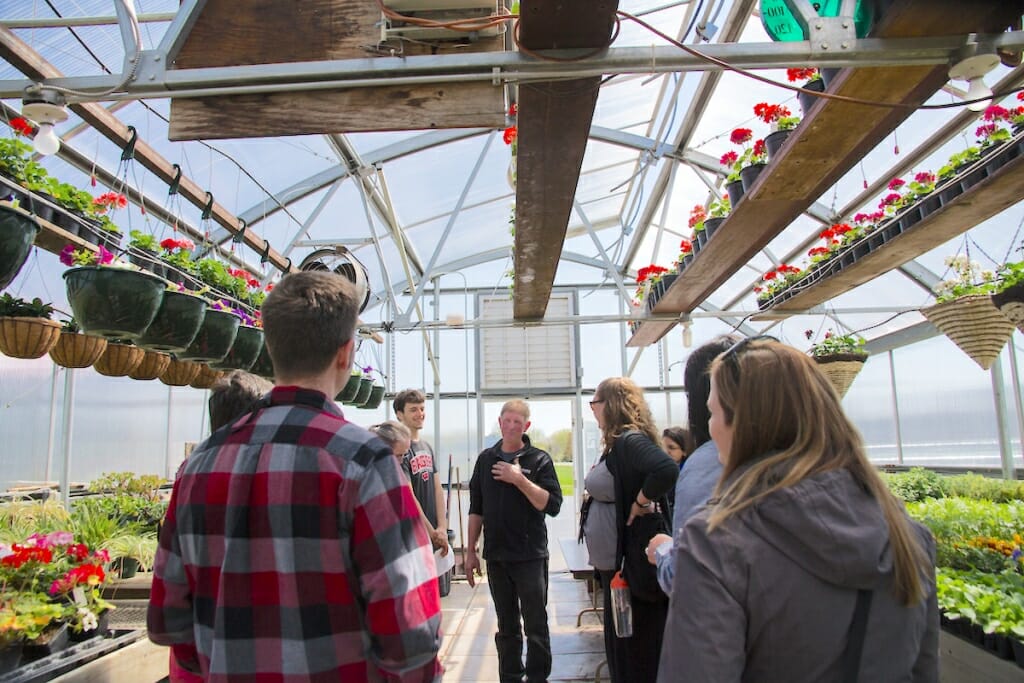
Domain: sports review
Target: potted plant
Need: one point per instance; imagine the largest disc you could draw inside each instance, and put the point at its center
(76, 350)
(718, 211)
(685, 254)
(108, 298)
(177, 322)
(151, 366)
(26, 330)
(133, 552)
(179, 373)
(119, 358)
(216, 334)
(24, 618)
(645, 279)
(108, 234)
(698, 215)
(1008, 294)
(18, 232)
(74, 201)
(781, 121)
(351, 387)
(176, 252)
(840, 358)
(144, 252)
(247, 345)
(812, 81)
(964, 311)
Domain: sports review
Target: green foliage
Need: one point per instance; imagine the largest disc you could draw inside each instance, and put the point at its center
(14, 307)
(24, 616)
(141, 548)
(916, 485)
(20, 519)
(993, 601)
(15, 154)
(833, 344)
(92, 525)
(720, 208)
(560, 445)
(968, 279)
(69, 196)
(141, 240)
(1010, 274)
(980, 487)
(958, 159)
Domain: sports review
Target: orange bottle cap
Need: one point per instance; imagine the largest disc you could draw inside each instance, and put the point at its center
(618, 581)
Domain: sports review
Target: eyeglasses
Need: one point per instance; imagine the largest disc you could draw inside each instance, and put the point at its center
(732, 354)
(596, 401)
(359, 341)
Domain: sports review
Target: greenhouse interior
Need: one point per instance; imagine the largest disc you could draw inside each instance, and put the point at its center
(527, 199)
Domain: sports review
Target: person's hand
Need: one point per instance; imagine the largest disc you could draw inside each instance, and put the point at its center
(439, 539)
(472, 567)
(507, 472)
(652, 547)
(637, 510)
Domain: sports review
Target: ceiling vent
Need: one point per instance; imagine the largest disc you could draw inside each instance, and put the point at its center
(341, 261)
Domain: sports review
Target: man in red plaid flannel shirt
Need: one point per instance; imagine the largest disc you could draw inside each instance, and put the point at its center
(293, 549)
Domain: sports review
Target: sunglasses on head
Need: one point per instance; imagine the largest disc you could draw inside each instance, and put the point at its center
(732, 354)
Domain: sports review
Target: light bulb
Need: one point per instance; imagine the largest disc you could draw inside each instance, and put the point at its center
(976, 89)
(687, 335)
(46, 140)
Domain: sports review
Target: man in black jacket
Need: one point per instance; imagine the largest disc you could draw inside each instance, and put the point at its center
(513, 486)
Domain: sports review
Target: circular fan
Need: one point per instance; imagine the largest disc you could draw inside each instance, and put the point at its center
(341, 261)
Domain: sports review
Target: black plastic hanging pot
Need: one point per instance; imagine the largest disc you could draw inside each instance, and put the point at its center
(176, 324)
(244, 352)
(113, 302)
(17, 233)
(215, 337)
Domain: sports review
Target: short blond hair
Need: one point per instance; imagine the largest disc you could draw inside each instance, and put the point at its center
(516, 405)
(391, 432)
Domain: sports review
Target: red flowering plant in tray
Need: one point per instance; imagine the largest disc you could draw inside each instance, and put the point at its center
(177, 251)
(777, 116)
(698, 214)
(646, 278)
(993, 130)
(803, 74)
(685, 249)
(777, 279)
(749, 154)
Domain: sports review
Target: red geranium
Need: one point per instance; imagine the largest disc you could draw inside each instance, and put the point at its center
(511, 133)
(686, 246)
(698, 214)
(795, 75)
(770, 113)
(109, 200)
(729, 158)
(21, 126)
(740, 135)
(896, 183)
(818, 251)
(759, 148)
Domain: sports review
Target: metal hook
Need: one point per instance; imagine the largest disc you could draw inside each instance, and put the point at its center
(240, 235)
(288, 268)
(128, 153)
(173, 188)
(208, 209)
(266, 253)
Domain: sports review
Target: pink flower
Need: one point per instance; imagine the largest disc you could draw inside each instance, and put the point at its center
(889, 199)
(67, 255)
(985, 130)
(996, 113)
(728, 159)
(925, 177)
(896, 183)
(104, 257)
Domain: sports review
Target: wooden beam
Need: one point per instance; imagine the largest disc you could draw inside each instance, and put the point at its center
(991, 196)
(830, 140)
(554, 122)
(399, 107)
(272, 32)
(22, 57)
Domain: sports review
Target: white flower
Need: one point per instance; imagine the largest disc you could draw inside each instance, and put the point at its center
(89, 620)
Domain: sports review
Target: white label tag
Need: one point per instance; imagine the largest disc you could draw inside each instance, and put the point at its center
(79, 595)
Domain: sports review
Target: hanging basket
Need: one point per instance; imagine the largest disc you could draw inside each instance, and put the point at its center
(264, 366)
(176, 324)
(152, 366)
(179, 373)
(18, 231)
(26, 337)
(215, 337)
(245, 350)
(113, 302)
(205, 378)
(841, 369)
(118, 360)
(974, 324)
(350, 389)
(365, 387)
(376, 396)
(75, 350)
(1010, 303)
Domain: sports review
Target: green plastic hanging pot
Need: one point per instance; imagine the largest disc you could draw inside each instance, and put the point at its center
(376, 396)
(365, 387)
(245, 350)
(176, 324)
(350, 389)
(17, 233)
(113, 302)
(264, 366)
(215, 337)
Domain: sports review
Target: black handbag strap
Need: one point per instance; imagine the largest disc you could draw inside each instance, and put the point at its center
(855, 638)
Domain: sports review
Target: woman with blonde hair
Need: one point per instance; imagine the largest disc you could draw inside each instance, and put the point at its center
(804, 567)
(627, 488)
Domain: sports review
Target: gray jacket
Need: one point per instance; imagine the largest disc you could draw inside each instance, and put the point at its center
(769, 595)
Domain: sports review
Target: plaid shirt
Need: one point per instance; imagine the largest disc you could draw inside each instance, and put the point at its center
(293, 551)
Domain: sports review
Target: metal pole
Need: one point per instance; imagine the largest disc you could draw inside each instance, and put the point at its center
(167, 437)
(1005, 454)
(437, 375)
(895, 408)
(1014, 372)
(51, 439)
(69, 400)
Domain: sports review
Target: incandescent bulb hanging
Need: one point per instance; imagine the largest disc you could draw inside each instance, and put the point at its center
(46, 140)
(976, 90)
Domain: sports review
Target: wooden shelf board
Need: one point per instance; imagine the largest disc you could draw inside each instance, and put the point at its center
(982, 201)
(830, 140)
(554, 126)
(650, 332)
(50, 237)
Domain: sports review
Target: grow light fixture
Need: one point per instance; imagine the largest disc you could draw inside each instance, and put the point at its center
(972, 68)
(46, 108)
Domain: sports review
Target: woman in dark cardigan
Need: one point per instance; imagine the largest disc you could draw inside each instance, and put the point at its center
(642, 473)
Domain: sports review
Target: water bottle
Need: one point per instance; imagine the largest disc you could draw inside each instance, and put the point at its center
(622, 607)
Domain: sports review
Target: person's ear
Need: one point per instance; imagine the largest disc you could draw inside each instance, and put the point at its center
(526, 427)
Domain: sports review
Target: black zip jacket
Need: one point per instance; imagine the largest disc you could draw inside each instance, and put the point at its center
(514, 530)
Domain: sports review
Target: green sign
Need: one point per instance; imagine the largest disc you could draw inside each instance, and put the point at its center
(781, 22)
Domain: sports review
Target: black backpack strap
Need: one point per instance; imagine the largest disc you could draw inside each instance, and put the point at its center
(855, 638)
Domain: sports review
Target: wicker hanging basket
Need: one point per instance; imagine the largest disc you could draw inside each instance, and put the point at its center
(1010, 303)
(75, 350)
(27, 337)
(205, 378)
(974, 324)
(841, 369)
(118, 360)
(152, 366)
(179, 373)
